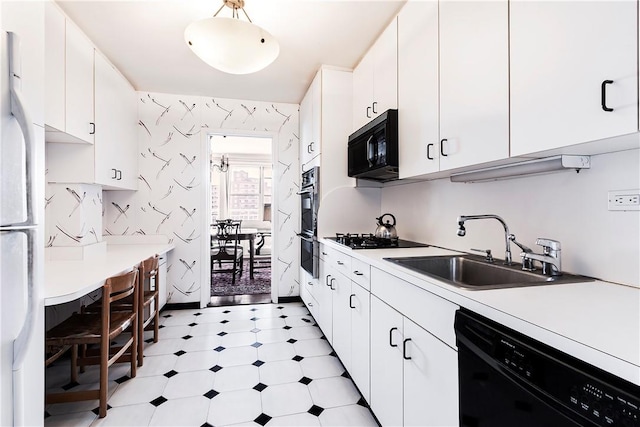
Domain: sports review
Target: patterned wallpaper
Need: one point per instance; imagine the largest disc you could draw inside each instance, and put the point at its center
(73, 214)
(172, 191)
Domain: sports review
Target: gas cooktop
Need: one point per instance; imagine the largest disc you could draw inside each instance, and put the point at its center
(369, 241)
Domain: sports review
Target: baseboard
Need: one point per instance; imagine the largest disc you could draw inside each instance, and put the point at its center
(289, 299)
(180, 306)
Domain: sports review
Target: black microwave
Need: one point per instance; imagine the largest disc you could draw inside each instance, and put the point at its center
(373, 149)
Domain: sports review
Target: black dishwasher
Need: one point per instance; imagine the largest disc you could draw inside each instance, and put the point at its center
(507, 379)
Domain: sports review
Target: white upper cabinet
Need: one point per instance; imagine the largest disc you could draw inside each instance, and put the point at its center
(474, 82)
(310, 122)
(574, 72)
(418, 104)
(375, 79)
(116, 124)
(26, 19)
(69, 79)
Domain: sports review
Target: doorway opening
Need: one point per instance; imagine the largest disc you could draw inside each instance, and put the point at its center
(241, 176)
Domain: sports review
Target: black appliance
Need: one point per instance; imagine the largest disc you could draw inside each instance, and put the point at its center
(508, 379)
(369, 241)
(373, 149)
(309, 198)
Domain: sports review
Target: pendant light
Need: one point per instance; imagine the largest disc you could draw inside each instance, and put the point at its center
(230, 44)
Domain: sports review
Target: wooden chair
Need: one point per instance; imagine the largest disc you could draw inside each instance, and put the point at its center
(262, 256)
(101, 329)
(147, 294)
(226, 250)
(149, 273)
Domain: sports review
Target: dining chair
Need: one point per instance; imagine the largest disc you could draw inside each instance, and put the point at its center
(262, 256)
(226, 250)
(99, 329)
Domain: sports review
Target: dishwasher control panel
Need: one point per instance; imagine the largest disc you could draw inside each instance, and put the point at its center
(606, 405)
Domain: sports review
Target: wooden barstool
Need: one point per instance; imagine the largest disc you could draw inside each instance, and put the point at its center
(147, 294)
(149, 273)
(99, 328)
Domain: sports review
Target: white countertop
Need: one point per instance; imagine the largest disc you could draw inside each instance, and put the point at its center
(598, 322)
(68, 280)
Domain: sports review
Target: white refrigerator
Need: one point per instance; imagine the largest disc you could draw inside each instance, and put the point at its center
(21, 247)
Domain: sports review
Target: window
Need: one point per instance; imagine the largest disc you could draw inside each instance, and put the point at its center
(243, 192)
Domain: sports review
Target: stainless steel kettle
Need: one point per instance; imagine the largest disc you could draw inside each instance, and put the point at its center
(386, 230)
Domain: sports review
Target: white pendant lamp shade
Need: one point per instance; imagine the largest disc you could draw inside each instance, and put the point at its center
(232, 45)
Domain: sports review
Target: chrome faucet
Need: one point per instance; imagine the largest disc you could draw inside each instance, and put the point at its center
(527, 263)
(462, 231)
(550, 257)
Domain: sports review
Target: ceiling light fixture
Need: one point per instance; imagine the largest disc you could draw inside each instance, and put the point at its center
(531, 167)
(230, 44)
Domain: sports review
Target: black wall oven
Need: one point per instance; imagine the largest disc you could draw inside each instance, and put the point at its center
(309, 193)
(507, 379)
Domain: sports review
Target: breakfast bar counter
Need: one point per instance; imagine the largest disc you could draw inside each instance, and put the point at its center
(67, 280)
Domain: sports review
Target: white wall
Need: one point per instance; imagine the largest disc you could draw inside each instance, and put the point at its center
(565, 206)
(173, 194)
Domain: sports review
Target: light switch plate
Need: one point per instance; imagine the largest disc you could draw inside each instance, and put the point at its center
(624, 200)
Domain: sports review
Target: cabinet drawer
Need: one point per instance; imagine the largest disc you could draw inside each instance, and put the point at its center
(427, 310)
(339, 261)
(361, 273)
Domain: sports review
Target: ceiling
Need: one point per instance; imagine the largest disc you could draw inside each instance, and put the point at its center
(144, 39)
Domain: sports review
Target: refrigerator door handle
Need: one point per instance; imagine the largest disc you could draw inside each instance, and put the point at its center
(21, 342)
(21, 113)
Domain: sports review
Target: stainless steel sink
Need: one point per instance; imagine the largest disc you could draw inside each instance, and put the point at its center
(471, 272)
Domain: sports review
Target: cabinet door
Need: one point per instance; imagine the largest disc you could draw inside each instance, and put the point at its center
(363, 91)
(341, 289)
(163, 290)
(386, 363)
(79, 84)
(310, 122)
(561, 53)
(26, 19)
(108, 112)
(360, 343)
(430, 379)
(306, 118)
(418, 120)
(474, 82)
(325, 301)
(54, 66)
(129, 135)
(385, 70)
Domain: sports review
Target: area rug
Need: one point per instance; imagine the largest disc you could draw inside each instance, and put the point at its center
(261, 283)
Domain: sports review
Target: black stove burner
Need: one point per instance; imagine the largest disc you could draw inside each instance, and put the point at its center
(365, 241)
(369, 241)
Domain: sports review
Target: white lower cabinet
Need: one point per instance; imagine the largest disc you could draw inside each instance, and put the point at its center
(359, 301)
(413, 374)
(386, 363)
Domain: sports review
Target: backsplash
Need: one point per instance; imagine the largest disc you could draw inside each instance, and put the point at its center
(172, 192)
(568, 207)
(73, 214)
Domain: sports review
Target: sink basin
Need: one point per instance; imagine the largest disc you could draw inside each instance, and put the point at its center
(469, 271)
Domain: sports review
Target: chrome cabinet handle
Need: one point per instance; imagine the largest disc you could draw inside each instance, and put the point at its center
(310, 283)
(391, 337)
(93, 128)
(351, 301)
(340, 262)
(404, 349)
(331, 284)
(326, 280)
(368, 114)
(357, 273)
(374, 107)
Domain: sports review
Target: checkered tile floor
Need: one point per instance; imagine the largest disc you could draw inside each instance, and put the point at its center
(266, 365)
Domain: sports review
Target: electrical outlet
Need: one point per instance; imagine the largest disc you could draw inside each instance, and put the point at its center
(624, 200)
